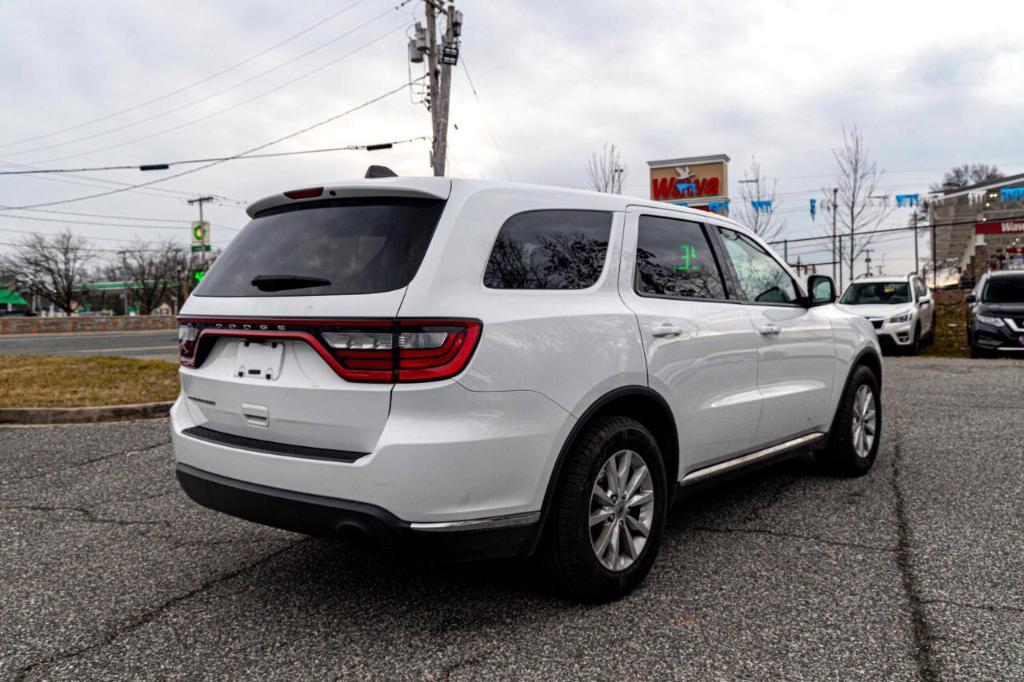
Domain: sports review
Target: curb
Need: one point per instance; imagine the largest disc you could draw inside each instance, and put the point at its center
(83, 415)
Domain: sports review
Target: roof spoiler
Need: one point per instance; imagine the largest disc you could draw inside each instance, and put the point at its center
(380, 172)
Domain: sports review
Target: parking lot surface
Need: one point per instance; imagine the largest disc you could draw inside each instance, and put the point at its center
(108, 571)
(162, 344)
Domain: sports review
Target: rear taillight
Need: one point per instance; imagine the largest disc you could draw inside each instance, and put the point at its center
(380, 351)
(411, 350)
(187, 334)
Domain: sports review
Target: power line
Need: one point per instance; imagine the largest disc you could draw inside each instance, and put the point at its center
(483, 116)
(190, 85)
(201, 99)
(905, 229)
(170, 193)
(117, 217)
(164, 166)
(214, 114)
(214, 163)
(87, 222)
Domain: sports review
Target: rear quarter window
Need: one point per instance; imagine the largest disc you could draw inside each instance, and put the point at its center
(557, 249)
(344, 246)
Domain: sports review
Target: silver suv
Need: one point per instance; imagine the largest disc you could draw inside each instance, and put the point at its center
(901, 309)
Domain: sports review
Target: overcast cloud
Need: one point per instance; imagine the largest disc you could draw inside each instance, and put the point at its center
(931, 84)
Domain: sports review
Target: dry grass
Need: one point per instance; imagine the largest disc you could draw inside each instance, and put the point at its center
(71, 381)
(950, 325)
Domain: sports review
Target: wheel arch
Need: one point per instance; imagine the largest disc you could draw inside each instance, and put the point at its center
(867, 357)
(638, 402)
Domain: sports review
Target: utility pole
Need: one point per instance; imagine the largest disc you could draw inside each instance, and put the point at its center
(914, 219)
(835, 208)
(867, 262)
(439, 73)
(935, 265)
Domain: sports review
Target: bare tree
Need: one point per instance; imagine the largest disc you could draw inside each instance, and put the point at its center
(50, 267)
(605, 170)
(860, 208)
(755, 187)
(966, 175)
(153, 271)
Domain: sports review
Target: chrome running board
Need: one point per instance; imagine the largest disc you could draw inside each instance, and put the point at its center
(510, 521)
(742, 460)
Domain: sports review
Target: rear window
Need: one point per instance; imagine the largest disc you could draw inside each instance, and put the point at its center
(347, 246)
(561, 249)
(1004, 290)
(674, 260)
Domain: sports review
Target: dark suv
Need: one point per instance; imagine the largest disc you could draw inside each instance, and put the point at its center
(996, 323)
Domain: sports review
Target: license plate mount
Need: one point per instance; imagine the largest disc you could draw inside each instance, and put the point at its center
(259, 360)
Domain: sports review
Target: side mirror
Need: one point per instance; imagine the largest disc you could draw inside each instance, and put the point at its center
(971, 298)
(821, 290)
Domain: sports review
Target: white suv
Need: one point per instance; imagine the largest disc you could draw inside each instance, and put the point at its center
(483, 369)
(901, 309)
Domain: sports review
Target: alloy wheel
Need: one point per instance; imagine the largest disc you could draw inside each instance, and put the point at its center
(865, 421)
(621, 510)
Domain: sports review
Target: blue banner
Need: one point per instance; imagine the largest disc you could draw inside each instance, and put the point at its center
(1011, 194)
(814, 208)
(762, 206)
(907, 200)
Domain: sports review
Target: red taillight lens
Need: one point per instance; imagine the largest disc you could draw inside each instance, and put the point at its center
(187, 344)
(380, 351)
(412, 350)
(428, 351)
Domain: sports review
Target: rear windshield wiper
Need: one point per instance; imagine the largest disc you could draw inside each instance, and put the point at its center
(283, 282)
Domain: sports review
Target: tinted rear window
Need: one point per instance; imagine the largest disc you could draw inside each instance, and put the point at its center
(674, 259)
(1004, 290)
(561, 249)
(359, 246)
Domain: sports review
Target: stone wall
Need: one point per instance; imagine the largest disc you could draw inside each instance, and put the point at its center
(66, 325)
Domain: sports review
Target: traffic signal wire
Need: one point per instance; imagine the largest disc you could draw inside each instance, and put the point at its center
(169, 164)
(189, 171)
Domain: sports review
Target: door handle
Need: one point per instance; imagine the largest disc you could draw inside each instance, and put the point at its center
(769, 329)
(665, 329)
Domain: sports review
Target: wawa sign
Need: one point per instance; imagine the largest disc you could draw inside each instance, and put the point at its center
(1000, 227)
(695, 180)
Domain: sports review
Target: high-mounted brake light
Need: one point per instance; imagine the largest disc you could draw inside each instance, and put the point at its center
(308, 193)
(379, 351)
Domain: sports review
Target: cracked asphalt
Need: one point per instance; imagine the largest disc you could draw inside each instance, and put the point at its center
(915, 571)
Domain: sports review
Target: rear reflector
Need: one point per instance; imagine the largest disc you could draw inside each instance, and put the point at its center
(308, 193)
(377, 351)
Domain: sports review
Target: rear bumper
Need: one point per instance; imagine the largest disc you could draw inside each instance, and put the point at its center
(511, 536)
(447, 460)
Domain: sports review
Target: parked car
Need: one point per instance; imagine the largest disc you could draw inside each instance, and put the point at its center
(996, 317)
(901, 309)
(476, 369)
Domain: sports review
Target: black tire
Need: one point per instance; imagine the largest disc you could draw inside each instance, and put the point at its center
(568, 553)
(840, 456)
(915, 346)
(977, 353)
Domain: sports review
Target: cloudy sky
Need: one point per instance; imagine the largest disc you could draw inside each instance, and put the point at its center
(931, 85)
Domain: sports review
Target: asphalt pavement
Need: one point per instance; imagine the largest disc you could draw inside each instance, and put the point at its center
(107, 570)
(161, 344)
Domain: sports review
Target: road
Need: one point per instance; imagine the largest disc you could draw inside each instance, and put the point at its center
(161, 344)
(912, 572)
